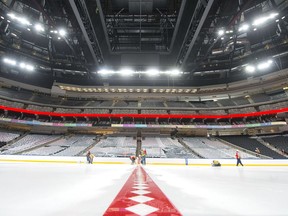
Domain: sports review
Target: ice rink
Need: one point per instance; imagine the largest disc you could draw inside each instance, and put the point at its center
(44, 189)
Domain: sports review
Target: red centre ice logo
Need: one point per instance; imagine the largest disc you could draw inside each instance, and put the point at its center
(141, 196)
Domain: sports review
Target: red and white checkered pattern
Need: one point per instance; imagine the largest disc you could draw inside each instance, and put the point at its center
(141, 196)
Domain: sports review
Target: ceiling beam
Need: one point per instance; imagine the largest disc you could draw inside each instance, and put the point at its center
(183, 3)
(182, 59)
(102, 18)
(85, 34)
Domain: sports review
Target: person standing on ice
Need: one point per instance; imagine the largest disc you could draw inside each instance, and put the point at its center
(257, 151)
(132, 158)
(89, 157)
(139, 159)
(143, 156)
(238, 157)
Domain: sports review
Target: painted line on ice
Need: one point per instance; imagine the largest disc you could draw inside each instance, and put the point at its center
(141, 196)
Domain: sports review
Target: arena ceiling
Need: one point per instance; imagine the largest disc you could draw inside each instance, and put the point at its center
(142, 42)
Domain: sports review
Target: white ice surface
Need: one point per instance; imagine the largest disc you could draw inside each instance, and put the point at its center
(59, 189)
(38, 189)
(211, 191)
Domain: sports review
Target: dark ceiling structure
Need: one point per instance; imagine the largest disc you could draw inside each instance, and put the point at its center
(207, 41)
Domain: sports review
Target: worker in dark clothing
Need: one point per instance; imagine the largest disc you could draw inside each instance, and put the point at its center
(174, 132)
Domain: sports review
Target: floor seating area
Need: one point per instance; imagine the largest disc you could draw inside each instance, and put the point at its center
(251, 144)
(279, 141)
(223, 147)
(66, 146)
(27, 142)
(7, 136)
(115, 147)
(213, 148)
(165, 147)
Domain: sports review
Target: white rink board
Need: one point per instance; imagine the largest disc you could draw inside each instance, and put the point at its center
(150, 161)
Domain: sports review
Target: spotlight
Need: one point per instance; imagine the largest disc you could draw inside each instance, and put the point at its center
(152, 72)
(175, 72)
(126, 72)
(264, 65)
(14, 35)
(22, 65)
(250, 69)
(221, 32)
(9, 61)
(263, 19)
(105, 72)
(272, 15)
(11, 15)
(27, 67)
(243, 27)
(260, 21)
(21, 20)
(24, 21)
(62, 32)
(39, 27)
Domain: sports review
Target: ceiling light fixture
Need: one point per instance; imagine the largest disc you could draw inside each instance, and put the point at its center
(152, 72)
(261, 20)
(244, 27)
(105, 72)
(62, 32)
(175, 72)
(21, 20)
(250, 69)
(9, 61)
(38, 27)
(221, 32)
(264, 65)
(126, 72)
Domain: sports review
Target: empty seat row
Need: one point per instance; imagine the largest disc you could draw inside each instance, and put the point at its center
(251, 144)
